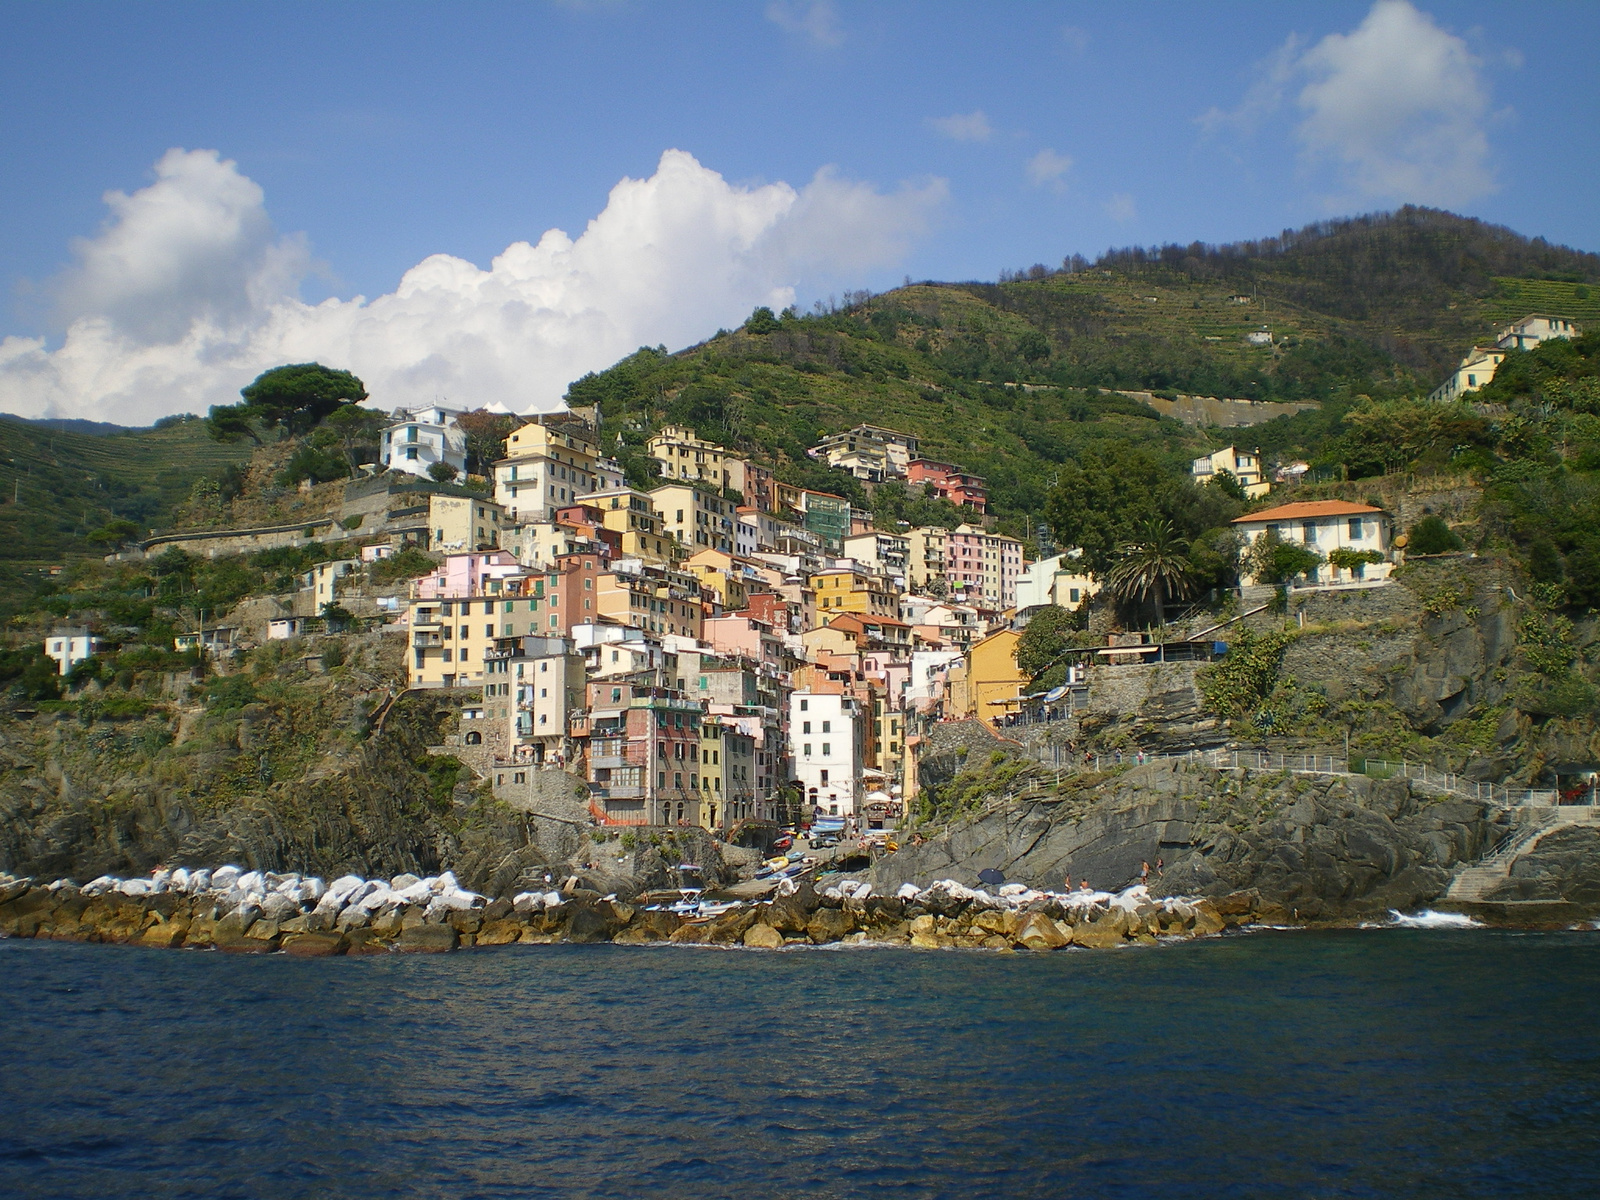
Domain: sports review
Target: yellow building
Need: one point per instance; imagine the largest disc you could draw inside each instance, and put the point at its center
(549, 463)
(463, 523)
(992, 675)
(719, 575)
(844, 590)
(683, 455)
(631, 514)
(925, 556)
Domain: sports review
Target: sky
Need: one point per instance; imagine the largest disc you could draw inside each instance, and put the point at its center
(480, 202)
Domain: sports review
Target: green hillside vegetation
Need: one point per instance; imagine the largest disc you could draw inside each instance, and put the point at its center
(57, 488)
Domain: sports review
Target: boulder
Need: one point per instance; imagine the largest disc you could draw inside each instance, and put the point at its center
(762, 937)
(428, 939)
(786, 915)
(697, 934)
(729, 929)
(166, 934)
(314, 945)
(366, 941)
(829, 925)
(1039, 932)
(592, 921)
(1206, 919)
(1103, 932)
(500, 932)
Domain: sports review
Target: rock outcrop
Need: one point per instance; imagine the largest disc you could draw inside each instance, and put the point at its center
(1315, 847)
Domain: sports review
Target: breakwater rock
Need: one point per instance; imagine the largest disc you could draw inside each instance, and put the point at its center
(251, 912)
(1310, 847)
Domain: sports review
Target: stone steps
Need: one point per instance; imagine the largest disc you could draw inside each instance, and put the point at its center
(1473, 883)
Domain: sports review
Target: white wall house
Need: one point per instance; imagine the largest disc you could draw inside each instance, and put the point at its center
(826, 737)
(1242, 464)
(1056, 580)
(1323, 526)
(69, 645)
(420, 437)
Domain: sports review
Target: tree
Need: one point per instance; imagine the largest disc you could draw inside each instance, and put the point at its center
(116, 533)
(353, 429)
(1103, 499)
(486, 437)
(299, 396)
(442, 472)
(337, 616)
(761, 321)
(230, 422)
(1048, 633)
(1154, 568)
(1273, 560)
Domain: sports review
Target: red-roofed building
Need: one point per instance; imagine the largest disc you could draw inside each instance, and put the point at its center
(1323, 526)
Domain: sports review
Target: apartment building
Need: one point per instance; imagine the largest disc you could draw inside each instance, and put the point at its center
(927, 550)
(850, 589)
(642, 753)
(457, 523)
(826, 732)
(698, 519)
(684, 456)
(549, 462)
(531, 686)
(949, 482)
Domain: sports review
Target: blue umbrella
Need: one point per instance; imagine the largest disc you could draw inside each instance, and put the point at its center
(991, 877)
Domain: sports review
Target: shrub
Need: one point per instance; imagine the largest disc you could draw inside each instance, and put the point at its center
(1432, 536)
(1238, 684)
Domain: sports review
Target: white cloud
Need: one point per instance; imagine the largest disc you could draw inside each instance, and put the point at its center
(1121, 208)
(1048, 167)
(969, 127)
(187, 293)
(1399, 102)
(1397, 106)
(815, 19)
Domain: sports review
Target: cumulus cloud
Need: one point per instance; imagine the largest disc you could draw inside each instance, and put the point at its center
(964, 127)
(1400, 103)
(1048, 167)
(1397, 106)
(187, 292)
(814, 19)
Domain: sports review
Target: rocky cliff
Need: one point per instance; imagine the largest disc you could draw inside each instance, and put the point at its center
(1318, 847)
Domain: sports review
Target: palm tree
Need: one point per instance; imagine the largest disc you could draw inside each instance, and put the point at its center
(1154, 568)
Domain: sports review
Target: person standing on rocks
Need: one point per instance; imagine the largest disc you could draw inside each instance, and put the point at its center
(1144, 874)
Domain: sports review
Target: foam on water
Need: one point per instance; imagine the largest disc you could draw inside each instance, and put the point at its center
(1429, 919)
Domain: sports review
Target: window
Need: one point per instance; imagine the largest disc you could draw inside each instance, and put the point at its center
(806, 750)
(411, 453)
(824, 779)
(1355, 529)
(827, 749)
(804, 705)
(806, 727)
(447, 655)
(826, 727)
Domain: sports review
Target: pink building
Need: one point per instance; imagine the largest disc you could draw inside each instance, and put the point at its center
(469, 575)
(745, 636)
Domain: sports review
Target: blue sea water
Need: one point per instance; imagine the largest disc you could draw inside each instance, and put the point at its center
(1383, 1063)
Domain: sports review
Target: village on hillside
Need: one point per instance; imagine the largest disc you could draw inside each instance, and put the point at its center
(725, 647)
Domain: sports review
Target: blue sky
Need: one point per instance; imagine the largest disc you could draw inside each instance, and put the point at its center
(955, 140)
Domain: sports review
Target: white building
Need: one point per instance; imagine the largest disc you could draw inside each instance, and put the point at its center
(882, 553)
(1241, 464)
(70, 645)
(1323, 526)
(420, 437)
(825, 735)
(537, 685)
(1057, 580)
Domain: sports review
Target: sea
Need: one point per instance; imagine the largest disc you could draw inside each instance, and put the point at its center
(1386, 1062)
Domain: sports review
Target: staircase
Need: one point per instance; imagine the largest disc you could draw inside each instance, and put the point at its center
(1475, 882)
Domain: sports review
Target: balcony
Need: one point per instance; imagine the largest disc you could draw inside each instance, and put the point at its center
(426, 641)
(617, 792)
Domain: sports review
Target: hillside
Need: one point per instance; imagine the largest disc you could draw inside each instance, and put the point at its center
(1014, 379)
(58, 486)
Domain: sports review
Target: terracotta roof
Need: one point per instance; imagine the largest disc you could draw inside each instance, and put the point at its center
(1307, 508)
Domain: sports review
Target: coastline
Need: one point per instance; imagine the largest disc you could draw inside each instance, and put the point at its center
(256, 913)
